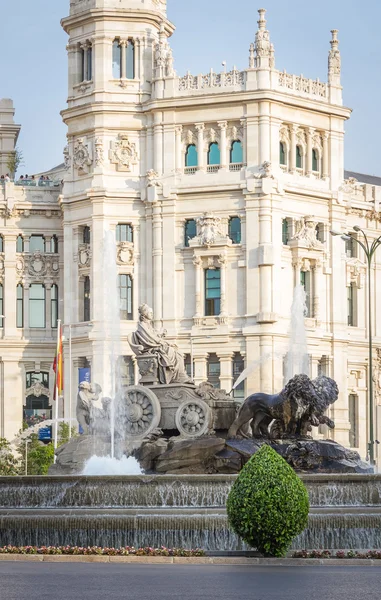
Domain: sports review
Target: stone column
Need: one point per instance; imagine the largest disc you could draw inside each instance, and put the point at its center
(200, 127)
(317, 270)
(149, 144)
(10, 285)
(123, 45)
(200, 368)
(222, 262)
(26, 243)
(26, 308)
(264, 132)
(158, 143)
(223, 150)
(325, 155)
(294, 129)
(157, 263)
(226, 373)
(244, 140)
(198, 274)
(266, 259)
(310, 132)
(179, 161)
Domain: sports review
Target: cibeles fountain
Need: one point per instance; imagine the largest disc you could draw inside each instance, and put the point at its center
(168, 425)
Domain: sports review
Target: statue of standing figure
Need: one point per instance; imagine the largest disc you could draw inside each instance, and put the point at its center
(91, 418)
(146, 340)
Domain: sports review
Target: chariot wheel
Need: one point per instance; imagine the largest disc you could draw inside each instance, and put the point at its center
(138, 413)
(193, 418)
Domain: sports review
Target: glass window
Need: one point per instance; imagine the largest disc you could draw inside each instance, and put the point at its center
(86, 299)
(191, 157)
(285, 232)
(54, 306)
(20, 244)
(238, 367)
(282, 153)
(190, 231)
(320, 232)
(125, 295)
(124, 233)
(305, 280)
(130, 60)
(353, 421)
(351, 248)
(89, 73)
(1, 305)
(20, 306)
(212, 292)
(235, 230)
(83, 64)
(214, 370)
(36, 243)
(315, 160)
(214, 154)
(116, 60)
(54, 245)
(32, 378)
(37, 306)
(299, 157)
(86, 235)
(1, 243)
(236, 153)
(351, 302)
(188, 365)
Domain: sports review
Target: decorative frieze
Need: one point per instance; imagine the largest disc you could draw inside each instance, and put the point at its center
(37, 267)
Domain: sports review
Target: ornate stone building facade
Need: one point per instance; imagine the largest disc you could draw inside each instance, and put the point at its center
(222, 189)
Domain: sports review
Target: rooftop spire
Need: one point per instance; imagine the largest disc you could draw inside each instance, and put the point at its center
(263, 49)
(334, 60)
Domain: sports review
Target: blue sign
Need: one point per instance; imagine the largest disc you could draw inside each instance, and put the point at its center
(83, 375)
(45, 434)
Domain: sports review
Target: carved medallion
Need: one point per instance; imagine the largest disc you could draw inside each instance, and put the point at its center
(193, 419)
(138, 413)
(123, 153)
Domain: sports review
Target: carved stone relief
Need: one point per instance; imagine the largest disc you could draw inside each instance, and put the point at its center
(123, 153)
(82, 157)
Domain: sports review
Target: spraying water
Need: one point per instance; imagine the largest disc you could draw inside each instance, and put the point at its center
(105, 465)
(297, 361)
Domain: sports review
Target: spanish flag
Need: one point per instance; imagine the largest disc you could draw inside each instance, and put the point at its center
(58, 364)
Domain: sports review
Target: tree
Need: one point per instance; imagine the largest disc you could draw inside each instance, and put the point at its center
(268, 504)
(15, 160)
(8, 461)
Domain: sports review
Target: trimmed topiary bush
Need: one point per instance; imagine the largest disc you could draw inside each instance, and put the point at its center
(268, 504)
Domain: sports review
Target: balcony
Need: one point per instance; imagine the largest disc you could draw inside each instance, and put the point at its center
(236, 166)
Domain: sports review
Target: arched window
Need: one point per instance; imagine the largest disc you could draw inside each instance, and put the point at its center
(37, 306)
(54, 306)
(214, 370)
(1, 305)
(236, 152)
(1, 243)
(214, 154)
(89, 73)
(285, 232)
(124, 233)
(212, 292)
(238, 367)
(20, 306)
(315, 160)
(37, 408)
(282, 153)
(125, 297)
(20, 244)
(86, 299)
(54, 245)
(86, 235)
(190, 231)
(235, 230)
(130, 60)
(305, 280)
(36, 243)
(116, 60)
(191, 156)
(352, 305)
(299, 157)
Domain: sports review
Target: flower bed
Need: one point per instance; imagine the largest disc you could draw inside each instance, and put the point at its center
(371, 554)
(97, 551)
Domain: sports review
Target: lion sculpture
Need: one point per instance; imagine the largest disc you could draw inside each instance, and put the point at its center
(292, 413)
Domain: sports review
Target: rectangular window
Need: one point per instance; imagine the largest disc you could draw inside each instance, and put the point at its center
(351, 248)
(238, 368)
(54, 306)
(353, 421)
(86, 235)
(212, 292)
(305, 280)
(36, 243)
(37, 306)
(116, 60)
(285, 232)
(89, 74)
(352, 298)
(20, 306)
(125, 296)
(130, 60)
(86, 299)
(214, 371)
(235, 230)
(190, 231)
(124, 233)
(20, 244)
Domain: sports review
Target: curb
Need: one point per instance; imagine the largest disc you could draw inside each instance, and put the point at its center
(202, 560)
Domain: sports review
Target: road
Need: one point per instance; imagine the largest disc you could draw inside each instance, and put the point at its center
(45, 581)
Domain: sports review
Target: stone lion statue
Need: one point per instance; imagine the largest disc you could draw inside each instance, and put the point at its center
(291, 413)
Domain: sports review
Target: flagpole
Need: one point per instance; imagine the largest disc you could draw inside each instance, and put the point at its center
(55, 435)
(70, 386)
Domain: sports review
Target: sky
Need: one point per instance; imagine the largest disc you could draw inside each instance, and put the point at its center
(34, 71)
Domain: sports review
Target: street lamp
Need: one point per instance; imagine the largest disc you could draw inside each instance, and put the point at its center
(369, 250)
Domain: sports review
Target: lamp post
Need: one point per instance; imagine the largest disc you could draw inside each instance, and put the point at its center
(369, 250)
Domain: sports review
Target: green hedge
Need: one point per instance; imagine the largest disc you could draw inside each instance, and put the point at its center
(268, 504)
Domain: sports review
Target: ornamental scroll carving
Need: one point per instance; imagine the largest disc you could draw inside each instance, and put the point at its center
(125, 253)
(306, 233)
(123, 153)
(36, 267)
(82, 156)
(356, 272)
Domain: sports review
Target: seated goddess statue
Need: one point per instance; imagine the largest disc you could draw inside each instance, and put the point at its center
(146, 340)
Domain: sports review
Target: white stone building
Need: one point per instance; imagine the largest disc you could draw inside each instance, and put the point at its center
(222, 189)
